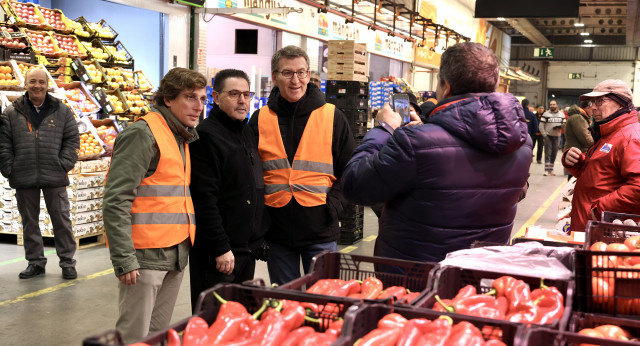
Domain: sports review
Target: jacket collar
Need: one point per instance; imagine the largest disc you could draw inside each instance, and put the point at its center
(188, 134)
(19, 103)
(226, 120)
(312, 100)
(618, 122)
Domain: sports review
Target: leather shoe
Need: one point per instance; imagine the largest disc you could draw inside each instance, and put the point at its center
(31, 271)
(69, 273)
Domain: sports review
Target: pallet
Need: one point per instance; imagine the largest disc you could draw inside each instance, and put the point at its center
(92, 240)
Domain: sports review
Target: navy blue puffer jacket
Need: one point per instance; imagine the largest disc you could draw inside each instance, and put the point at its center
(447, 183)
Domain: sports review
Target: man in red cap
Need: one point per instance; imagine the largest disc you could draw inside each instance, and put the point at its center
(609, 172)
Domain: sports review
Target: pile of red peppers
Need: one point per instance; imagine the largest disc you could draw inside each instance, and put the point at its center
(510, 299)
(370, 288)
(278, 322)
(394, 329)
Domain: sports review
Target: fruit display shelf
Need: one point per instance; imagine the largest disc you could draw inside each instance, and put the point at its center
(70, 45)
(55, 19)
(42, 43)
(24, 14)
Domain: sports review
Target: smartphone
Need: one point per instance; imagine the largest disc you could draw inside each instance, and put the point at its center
(400, 104)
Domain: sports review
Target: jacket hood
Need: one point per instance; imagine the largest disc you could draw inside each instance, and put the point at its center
(312, 100)
(493, 122)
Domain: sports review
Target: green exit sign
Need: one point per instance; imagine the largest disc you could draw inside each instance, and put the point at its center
(575, 75)
(543, 52)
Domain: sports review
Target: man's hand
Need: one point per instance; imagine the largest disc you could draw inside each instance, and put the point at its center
(390, 117)
(225, 263)
(573, 156)
(129, 279)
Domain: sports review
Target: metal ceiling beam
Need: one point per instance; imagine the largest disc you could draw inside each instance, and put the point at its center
(529, 31)
(633, 23)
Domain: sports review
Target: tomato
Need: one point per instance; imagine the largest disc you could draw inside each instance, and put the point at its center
(618, 247)
(592, 333)
(635, 259)
(602, 289)
(633, 242)
(598, 246)
(610, 331)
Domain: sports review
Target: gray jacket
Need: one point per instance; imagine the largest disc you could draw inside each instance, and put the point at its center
(38, 158)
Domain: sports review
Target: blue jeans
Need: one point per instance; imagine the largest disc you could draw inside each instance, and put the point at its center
(284, 261)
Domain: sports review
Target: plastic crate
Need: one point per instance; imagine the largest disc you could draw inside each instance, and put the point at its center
(350, 236)
(544, 336)
(581, 321)
(609, 216)
(352, 222)
(249, 296)
(608, 233)
(358, 129)
(414, 276)
(362, 319)
(343, 87)
(449, 280)
(351, 210)
(349, 102)
(355, 116)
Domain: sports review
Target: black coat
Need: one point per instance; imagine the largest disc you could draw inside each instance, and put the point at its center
(293, 224)
(227, 187)
(38, 158)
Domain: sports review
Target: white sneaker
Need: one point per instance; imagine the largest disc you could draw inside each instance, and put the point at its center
(546, 173)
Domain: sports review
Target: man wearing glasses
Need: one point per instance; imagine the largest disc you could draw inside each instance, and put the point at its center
(304, 144)
(227, 190)
(609, 172)
(147, 208)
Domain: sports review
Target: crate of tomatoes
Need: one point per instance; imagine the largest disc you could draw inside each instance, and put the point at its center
(608, 270)
(245, 315)
(373, 279)
(514, 298)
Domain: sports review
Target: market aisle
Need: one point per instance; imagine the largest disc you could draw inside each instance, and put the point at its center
(51, 311)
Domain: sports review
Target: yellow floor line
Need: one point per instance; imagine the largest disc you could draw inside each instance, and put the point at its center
(532, 220)
(348, 249)
(370, 238)
(55, 288)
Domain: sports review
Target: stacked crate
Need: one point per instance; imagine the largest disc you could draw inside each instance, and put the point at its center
(352, 97)
(347, 61)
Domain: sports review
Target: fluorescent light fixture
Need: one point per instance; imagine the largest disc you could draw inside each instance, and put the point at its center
(584, 34)
(588, 45)
(579, 25)
(553, 95)
(588, 41)
(501, 19)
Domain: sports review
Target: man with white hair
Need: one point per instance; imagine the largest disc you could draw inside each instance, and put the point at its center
(609, 172)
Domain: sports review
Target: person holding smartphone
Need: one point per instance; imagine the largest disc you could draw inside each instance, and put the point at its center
(453, 180)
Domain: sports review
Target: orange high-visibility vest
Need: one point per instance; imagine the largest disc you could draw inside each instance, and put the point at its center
(162, 214)
(311, 176)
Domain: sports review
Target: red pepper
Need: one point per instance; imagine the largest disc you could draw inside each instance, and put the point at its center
(466, 291)
(490, 332)
(293, 316)
(409, 297)
(274, 331)
(467, 305)
(441, 304)
(435, 333)
(324, 285)
(494, 342)
(550, 302)
(392, 320)
(350, 287)
(393, 291)
(173, 339)
(412, 332)
(381, 337)
(226, 328)
(465, 334)
(501, 284)
(296, 335)
(518, 293)
(525, 313)
(371, 288)
(195, 333)
(334, 330)
(316, 339)
(503, 305)
(310, 306)
(485, 312)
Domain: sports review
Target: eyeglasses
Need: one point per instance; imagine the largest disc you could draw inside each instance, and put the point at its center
(289, 74)
(598, 102)
(235, 94)
(193, 100)
(314, 80)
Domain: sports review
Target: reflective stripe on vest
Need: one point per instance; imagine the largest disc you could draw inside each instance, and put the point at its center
(311, 177)
(162, 214)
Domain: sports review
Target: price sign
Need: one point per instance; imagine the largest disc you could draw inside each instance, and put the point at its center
(103, 101)
(80, 70)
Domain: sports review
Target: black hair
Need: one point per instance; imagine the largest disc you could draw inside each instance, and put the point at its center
(223, 75)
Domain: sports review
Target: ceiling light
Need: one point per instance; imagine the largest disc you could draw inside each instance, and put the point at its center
(501, 19)
(580, 25)
(553, 95)
(588, 41)
(584, 34)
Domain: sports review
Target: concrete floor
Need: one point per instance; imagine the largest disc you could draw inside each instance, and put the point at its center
(49, 310)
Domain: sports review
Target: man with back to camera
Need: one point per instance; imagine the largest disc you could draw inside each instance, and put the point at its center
(532, 121)
(608, 172)
(457, 178)
(304, 144)
(551, 125)
(38, 145)
(227, 189)
(148, 212)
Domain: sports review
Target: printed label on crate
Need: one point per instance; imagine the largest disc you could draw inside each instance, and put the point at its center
(80, 70)
(86, 205)
(91, 193)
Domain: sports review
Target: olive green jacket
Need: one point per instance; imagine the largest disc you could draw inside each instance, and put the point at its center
(135, 157)
(576, 133)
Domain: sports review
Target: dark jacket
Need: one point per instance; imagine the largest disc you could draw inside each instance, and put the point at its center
(532, 122)
(226, 186)
(576, 132)
(293, 224)
(38, 157)
(447, 183)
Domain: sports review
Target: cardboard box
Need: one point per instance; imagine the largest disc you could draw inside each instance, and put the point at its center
(356, 76)
(87, 180)
(90, 193)
(87, 205)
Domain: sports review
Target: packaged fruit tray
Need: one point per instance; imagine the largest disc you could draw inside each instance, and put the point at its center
(608, 270)
(142, 81)
(77, 28)
(55, 19)
(79, 98)
(23, 67)
(100, 30)
(10, 78)
(413, 276)
(119, 54)
(118, 103)
(91, 146)
(12, 38)
(137, 104)
(42, 43)
(107, 131)
(24, 14)
(118, 78)
(96, 50)
(95, 71)
(70, 45)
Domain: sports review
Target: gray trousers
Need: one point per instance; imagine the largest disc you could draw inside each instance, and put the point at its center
(57, 203)
(147, 306)
(551, 147)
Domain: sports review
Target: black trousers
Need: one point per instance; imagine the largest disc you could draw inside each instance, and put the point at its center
(204, 275)
(538, 139)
